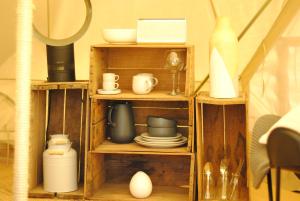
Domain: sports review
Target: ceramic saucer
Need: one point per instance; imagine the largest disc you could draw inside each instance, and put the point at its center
(147, 137)
(101, 91)
(161, 144)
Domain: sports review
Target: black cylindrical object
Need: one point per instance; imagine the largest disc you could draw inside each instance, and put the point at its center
(61, 65)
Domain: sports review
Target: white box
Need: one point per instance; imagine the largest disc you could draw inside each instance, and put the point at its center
(161, 31)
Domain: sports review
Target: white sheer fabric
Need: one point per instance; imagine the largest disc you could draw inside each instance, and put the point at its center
(275, 88)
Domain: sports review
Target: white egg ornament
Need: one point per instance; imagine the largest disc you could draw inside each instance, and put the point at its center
(140, 185)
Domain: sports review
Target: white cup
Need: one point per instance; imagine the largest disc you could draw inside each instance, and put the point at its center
(112, 77)
(154, 80)
(110, 85)
(141, 84)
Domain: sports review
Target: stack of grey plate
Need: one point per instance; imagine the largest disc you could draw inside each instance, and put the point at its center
(162, 133)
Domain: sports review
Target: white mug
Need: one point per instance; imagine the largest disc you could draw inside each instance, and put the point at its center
(141, 84)
(110, 77)
(110, 85)
(150, 76)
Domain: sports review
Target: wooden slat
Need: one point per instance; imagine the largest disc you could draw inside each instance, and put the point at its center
(37, 132)
(87, 142)
(287, 13)
(154, 95)
(78, 194)
(190, 76)
(95, 173)
(152, 45)
(192, 192)
(199, 148)
(98, 63)
(39, 192)
(191, 122)
(44, 85)
(97, 123)
(236, 143)
(204, 97)
(134, 148)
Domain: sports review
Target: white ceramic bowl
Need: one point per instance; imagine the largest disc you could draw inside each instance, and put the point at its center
(119, 35)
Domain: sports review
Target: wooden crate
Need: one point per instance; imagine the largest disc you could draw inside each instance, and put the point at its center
(42, 127)
(128, 60)
(108, 176)
(182, 111)
(221, 131)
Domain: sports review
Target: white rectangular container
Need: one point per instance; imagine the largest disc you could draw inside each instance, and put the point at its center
(161, 31)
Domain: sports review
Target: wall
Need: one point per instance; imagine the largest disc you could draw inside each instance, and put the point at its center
(124, 13)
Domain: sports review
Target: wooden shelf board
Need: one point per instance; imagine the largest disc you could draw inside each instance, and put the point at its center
(154, 95)
(44, 85)
(120, 192)
(134, 148)
(39, 192)
(240, 199)
(145, 45)
(204, 97)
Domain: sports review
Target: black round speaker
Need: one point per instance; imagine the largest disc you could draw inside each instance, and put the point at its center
(61, 65)
(60, 52)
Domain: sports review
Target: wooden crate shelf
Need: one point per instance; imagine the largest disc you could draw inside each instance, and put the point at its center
(181, 111)
(109, 176)
(139, 45)
(154, 95)
(128, 60)
(47, 117)
(221, 132)
(110, 166)
(109, 147)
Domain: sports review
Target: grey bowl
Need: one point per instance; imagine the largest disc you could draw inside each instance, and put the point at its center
(161, 122)
(162, 132)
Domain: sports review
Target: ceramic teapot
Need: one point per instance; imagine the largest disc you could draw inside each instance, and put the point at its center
(121, 123)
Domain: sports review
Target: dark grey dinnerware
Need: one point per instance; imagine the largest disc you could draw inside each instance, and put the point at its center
(155, 121)
(121, 123)
(162, 131)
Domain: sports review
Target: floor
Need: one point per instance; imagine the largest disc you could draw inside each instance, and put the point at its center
(6, 175)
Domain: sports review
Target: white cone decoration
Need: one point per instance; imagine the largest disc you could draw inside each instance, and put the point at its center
(223, 61)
